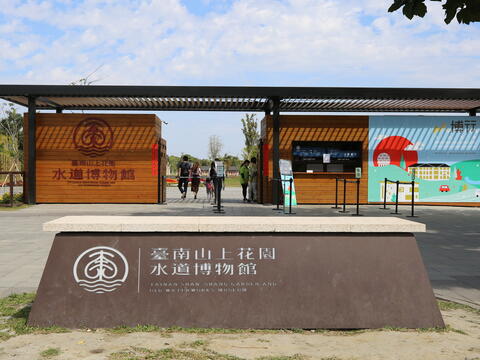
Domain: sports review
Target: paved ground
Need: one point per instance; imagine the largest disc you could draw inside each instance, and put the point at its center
(450, 248)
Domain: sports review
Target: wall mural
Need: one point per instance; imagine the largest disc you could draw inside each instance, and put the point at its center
(441, 153)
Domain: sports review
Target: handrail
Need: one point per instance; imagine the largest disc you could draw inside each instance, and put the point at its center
(397, 182)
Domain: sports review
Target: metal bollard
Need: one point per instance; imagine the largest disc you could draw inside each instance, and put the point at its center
(358, 199)
(396, 198)
(290, 196)
(385, 195)
(336, 195)
(413, 200)
(344, 197)
(218, 190)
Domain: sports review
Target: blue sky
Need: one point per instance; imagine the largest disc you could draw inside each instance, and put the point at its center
(231, 42)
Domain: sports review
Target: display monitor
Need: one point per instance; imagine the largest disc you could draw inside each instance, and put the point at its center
(326, 156)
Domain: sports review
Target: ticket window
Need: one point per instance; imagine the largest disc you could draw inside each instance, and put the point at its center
(326, 156)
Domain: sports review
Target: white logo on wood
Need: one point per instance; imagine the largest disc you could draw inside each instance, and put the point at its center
(100, 269)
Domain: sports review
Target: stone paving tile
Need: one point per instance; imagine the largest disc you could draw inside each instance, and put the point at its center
(450, 248)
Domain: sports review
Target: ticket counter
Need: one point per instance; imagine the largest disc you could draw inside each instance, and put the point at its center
(304, 140)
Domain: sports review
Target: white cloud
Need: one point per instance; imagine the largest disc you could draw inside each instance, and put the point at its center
(254, 42)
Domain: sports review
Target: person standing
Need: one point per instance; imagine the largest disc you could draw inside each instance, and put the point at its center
(195, 176)
(213, 177)
(183, 174)
(252, 180)
(244, 178)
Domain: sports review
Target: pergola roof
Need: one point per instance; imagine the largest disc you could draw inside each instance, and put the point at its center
(226, 98)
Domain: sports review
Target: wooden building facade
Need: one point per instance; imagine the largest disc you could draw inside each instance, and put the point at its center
(435, 159)
(314, 187)
(98, 158)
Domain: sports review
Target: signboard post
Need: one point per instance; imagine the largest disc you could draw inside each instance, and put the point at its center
(358, 173)
(220, 168)
(289, 195)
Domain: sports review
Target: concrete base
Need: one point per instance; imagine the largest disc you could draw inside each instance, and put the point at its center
(263, 280)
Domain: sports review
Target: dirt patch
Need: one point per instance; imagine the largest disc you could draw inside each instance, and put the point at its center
(460, 342)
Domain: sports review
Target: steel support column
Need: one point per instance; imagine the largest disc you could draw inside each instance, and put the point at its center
(32, 144)
(276, 149)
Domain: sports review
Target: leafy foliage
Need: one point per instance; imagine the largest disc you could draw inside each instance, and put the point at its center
(173, 161)
(465, 11)
(5, 198)
(11, 134)
(252, 137)
(231, 160)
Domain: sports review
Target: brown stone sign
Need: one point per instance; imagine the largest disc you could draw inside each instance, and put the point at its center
(235, 280)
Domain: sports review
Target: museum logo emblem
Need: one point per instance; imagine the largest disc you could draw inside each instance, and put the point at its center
(93, 137)
(100, 269)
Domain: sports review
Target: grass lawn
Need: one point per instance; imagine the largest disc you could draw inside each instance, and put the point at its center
(151, 342)
(6, 207)
(14, 311)
(232, 181)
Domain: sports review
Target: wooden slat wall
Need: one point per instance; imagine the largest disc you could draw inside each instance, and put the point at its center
(320, 189)
(134, 136)
(316, 188)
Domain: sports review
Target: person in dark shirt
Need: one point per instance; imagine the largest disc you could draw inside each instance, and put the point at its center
(183, 175)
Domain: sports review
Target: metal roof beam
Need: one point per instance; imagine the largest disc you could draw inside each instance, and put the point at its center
(236, 92)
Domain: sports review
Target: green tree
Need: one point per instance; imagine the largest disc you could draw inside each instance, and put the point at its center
(252, 137)
(205, 162)
(174, 160)
(11, 127)
(231, 160)
(465, 11)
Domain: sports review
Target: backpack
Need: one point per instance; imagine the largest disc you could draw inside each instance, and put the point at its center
(184, 168)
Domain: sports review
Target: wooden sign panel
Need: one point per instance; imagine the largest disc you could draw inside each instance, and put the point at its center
(96, 158)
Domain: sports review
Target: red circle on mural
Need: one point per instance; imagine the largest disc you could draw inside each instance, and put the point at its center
(392, 149)
(93, 137)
